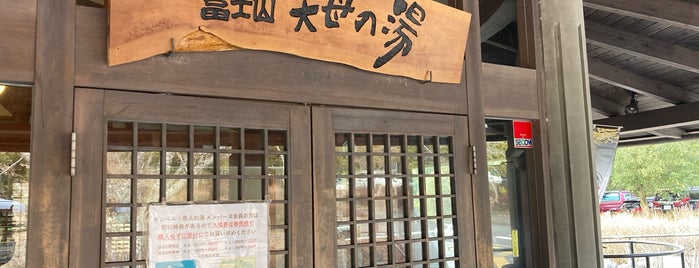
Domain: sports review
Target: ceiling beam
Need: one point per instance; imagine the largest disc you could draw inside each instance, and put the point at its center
(606, 107)
(641, 46)
(674, 12)
(672, 133)
(631, 81)
(671, 117)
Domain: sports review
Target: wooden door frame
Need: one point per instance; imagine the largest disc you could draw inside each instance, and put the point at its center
(326, 121)
(95, 107)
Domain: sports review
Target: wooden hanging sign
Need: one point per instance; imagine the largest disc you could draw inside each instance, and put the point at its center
(420, 39)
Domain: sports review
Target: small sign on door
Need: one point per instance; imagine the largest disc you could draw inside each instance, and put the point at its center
(522, 134)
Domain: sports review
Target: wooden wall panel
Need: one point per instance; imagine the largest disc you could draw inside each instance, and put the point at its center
(18, 32)
(510, 92)
(255, 75)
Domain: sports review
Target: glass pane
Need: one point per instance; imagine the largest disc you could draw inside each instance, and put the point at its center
(432, 229)
(417, 251)
(229, 190)
(254, 139)
(446, 182)
(277, 239)
(177, 136)
(399, 253)
(413, 144)
(203, 189)
(341, 165)
(360, 166)
(413, 165)
(397, 187)
(398, 208)
(203, 164)
(378, 143)
(448, 225)
(380, 208)
(430, 185)
(344, 258)
(276, 189)
(360, 143)
(445, 165)
(204, 137)
(361, 187)
(176, 190)
(363, 256)
(141, 247)
(446, 207)
(118, 163)
(450, 248)
(252, 189)
(416, 229)
(429, 145)
(148, 163)
(434, 250)
(277, 261)
(341, 188)
(444, 145)
(119, 133)
(362, 211)
(343, 211)
(431, 207)
(399, 230)
(396, 165)
(118, 219)
(141, 219)
(396, 144)
(428, 164)
(379, 164)
(415, 186)
(176, 163)
(117, 249)
(342, 141)
(381, 232)
(149, 135)
(148, 190)
(118, 191)
(277, 141)
(417, 208)
(276, 165)
(344, 234)
(379, 189)
(382, 254)
(253, 164)
(230, 138)
(277, 214)
(229, 164)
(363, 233)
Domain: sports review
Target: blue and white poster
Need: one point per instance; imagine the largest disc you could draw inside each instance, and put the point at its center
(208, 235)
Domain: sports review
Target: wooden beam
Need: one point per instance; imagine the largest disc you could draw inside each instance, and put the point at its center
(509, 92)
(641, 46)
(52, 122)
(673, 133)
(678, 13)
(628, 80)
(606, 107)
(676, 116)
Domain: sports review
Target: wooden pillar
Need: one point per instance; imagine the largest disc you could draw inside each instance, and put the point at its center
(476, 122)
(566, 123)
(52, 117)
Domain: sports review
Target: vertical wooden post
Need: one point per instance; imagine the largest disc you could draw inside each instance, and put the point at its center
(476, 122)
(565, 103)
(52, 115)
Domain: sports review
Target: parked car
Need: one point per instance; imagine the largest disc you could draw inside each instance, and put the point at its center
(619, 201)
(693, 193)
(668, 200)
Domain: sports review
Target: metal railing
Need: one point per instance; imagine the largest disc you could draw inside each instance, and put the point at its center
(633, 254)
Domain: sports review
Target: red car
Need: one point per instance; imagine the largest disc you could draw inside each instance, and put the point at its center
(669, 201)
(619, 201)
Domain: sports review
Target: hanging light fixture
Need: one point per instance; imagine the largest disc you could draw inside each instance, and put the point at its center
(632, 108)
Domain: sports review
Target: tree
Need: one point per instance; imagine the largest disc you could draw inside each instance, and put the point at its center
(647, 169)
(14, 168)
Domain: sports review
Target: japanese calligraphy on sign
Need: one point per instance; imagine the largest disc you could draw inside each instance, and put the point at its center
(208, 235)
(420, 39)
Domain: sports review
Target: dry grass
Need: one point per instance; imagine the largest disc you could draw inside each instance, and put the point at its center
(680, 227)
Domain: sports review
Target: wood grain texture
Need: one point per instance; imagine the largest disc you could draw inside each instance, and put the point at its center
(52, 122)
(18, 29)
(415, 31)
(509, 92)
(256, 75)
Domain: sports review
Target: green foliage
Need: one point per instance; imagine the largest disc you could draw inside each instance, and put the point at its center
(14, 168)
(647, 169)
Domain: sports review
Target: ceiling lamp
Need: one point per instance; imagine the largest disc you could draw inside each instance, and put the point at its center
(632, 108)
